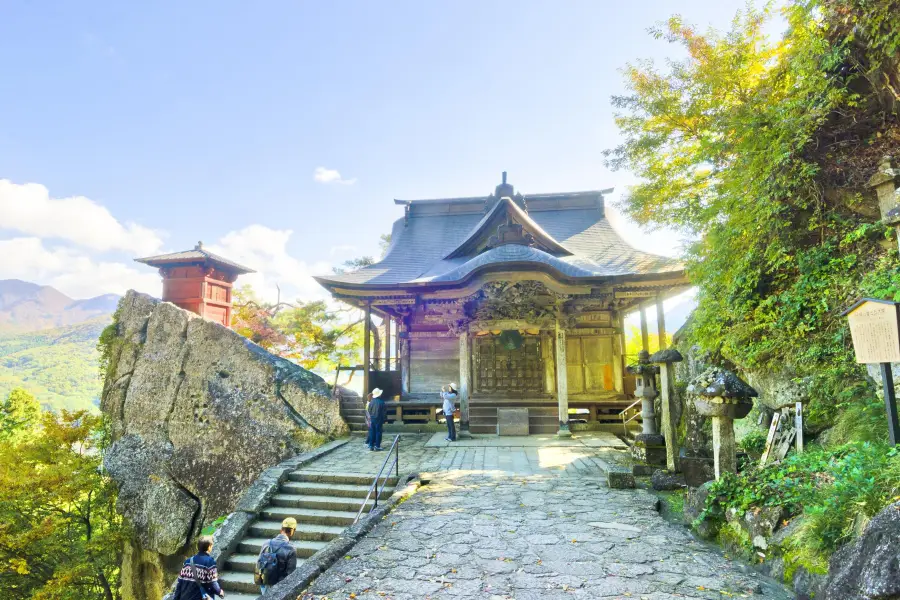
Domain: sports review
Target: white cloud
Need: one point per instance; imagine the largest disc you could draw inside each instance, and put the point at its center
(323, 175)
(265, 250)
(344, 249)
(29, 209)
(71, 271)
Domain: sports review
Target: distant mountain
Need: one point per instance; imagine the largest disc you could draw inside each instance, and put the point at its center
(28, 307)
(58, 366)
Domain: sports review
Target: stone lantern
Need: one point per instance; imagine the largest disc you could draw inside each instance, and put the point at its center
(722, 395)
(649, 446)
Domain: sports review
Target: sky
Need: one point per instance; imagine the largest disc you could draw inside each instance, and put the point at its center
(280, 132)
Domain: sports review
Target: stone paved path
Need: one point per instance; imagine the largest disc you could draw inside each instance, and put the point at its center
(416, 454)
(532, 531)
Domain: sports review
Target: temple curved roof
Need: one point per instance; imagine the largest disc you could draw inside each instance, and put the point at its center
(446, 241)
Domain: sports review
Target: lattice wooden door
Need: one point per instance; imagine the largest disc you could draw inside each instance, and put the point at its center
(504, 371)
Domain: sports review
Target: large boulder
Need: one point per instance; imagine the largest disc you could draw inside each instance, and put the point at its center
(196, 413)
(869, 568)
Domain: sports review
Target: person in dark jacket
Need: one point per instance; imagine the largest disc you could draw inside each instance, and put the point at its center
(285, 553)
(199, 577)
(377, 413)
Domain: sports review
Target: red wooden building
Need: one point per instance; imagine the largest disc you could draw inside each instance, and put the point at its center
(199, 281)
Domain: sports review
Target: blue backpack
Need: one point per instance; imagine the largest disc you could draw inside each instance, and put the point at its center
(266, 571)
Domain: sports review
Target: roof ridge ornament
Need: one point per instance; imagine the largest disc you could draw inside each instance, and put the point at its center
(510, 232)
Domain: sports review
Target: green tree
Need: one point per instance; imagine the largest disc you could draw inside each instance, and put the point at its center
(60, 536)
(308, 333)
(19, 414)
(760, 151)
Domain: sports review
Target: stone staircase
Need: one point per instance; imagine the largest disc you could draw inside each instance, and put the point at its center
(541, 419)
(324, 504)
(353, 409)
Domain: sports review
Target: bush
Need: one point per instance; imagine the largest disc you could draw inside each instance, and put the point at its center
(754, 443)
(837, 491)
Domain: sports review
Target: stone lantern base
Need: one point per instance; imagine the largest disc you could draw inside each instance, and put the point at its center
(649, 448)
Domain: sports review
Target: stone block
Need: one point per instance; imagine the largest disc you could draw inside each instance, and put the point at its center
(619, 479)
(665, 481)
(642, 470)
(697, 471)
(650, 449)
(512, 421)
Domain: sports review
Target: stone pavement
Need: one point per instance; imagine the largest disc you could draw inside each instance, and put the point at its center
(525, 523)
(533, 537)
(418, 454)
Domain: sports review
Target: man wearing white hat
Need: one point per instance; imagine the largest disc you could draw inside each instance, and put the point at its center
(376, 412)
(449, 395)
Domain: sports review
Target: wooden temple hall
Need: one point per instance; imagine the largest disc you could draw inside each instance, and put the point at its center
(518, 299)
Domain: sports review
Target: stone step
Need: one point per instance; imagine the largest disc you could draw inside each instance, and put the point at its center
(243, 563)
(355, 412)
(310, 515)
(338, 503)
(240, 596)
(304, 548)
(351, 478)
(543, 429)
(305, 531)
(482, 428)
(347, 490)
(238, 581)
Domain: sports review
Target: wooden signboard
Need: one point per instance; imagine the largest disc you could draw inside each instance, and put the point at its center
(636, 294)
(594, 318)
(875, 329)
(393, 301)
(875, 332)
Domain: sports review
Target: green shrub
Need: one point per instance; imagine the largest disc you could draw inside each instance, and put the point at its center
(836, 491)
(754, 443)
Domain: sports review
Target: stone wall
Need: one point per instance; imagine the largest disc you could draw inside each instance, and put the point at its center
(196, 412)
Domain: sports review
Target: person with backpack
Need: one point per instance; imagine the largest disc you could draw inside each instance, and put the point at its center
(278, 557)
(376, 413)
(199, 576)
(449, 395)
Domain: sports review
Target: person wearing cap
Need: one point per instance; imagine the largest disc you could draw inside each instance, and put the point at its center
(199, 577)
(285, 553)
(376, 413)
(449, 395)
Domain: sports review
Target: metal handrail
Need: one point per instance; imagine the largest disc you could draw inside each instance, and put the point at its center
(395, 448)
(633, 417)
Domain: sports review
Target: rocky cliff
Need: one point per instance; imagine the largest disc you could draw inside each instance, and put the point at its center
(196, 413)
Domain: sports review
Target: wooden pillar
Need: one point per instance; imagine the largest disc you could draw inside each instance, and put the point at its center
(404, 358)
(464, 363)
(562, 383)
(397, 344)
(618, 360)
(367, 347)
(661, 322)
(548, 359)
(387, 343)
(645, 334)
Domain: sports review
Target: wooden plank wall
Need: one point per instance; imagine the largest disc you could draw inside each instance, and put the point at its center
(433, 362)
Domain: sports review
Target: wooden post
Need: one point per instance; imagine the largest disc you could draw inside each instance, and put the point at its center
(404, 358)
(592, 413)
(464, 355)
(890, 403)
(618, 362)
(548, 359)
(387, 343)
(645, 334)
(661, 323)
(397, 344)
(562, 382)
(798, 426)
(367, 348)
(666, 378)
